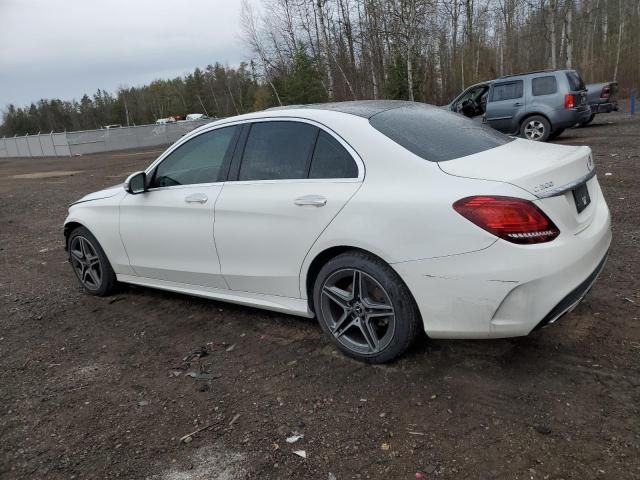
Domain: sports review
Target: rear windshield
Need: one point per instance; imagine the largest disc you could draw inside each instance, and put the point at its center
(436, 134)
(575, 82)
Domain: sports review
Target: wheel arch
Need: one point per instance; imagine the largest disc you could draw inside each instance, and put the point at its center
(528, 115)
(322, 257)
(70, 227)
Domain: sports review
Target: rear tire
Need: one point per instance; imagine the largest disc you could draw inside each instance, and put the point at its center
(90, 263)
(556, 133)
(589, 120)
(365, 308)
(536, 128)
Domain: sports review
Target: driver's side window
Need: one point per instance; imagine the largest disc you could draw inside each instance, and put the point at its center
(198, 160)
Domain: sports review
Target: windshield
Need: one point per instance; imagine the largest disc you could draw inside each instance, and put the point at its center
(436, 134)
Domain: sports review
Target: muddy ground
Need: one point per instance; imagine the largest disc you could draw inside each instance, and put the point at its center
(96, 387)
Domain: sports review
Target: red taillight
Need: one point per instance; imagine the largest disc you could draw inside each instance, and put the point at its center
(606, 92)
(568, 100)
(512, 219)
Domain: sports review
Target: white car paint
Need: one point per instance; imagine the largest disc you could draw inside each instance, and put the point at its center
(249, 243)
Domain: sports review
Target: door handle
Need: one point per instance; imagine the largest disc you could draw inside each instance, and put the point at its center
(196, 198)
(311, 200)
(517, 104)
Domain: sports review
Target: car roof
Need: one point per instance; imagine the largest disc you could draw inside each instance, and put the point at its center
(360, 108)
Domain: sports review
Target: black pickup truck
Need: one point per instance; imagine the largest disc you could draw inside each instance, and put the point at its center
(601, 97)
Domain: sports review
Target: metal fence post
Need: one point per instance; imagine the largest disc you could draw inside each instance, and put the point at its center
(632, 101)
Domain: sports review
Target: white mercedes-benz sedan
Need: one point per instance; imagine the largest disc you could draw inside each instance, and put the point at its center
(380, 218)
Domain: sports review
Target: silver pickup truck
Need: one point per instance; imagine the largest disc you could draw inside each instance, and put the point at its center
(601, 97)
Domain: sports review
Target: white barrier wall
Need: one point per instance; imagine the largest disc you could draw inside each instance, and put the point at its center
(94, 141)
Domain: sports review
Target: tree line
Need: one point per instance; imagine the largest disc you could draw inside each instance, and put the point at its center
(306, 51)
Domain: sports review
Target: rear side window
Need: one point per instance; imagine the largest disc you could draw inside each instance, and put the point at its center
(575, 82)
(198, 160)
(331, 160)
(544, 85)
(506, 91)
(277, 151)
(436, 134)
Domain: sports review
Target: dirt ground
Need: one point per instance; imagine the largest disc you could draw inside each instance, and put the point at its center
(97, 387)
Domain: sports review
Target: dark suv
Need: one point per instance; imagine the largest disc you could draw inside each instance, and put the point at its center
(536, 105)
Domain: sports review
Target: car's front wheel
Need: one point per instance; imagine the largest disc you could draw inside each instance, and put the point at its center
(365, 307)
(536, 128)
(90, 264)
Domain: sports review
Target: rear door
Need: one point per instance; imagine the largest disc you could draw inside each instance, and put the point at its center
(505, 105)
(288, 182)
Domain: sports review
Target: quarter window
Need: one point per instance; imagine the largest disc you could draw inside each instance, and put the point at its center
(506, 91)
(331, 160)
(198, 160)
(544, 85)
(277, 151)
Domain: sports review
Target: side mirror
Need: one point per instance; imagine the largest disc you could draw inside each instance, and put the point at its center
(136, 183)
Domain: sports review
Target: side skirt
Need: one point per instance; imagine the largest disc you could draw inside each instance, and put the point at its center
(292, 306)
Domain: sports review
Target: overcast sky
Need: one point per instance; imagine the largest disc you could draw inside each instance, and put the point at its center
(66, 48)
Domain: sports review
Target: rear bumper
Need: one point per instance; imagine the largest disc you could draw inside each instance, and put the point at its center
(571, 117)
(607, 107)
(568, 303)
(506, 290)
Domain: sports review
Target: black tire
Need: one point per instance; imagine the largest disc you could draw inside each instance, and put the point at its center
(556, 133)
(536, 128)
(382, 289)
(86, 256)
(589, 120)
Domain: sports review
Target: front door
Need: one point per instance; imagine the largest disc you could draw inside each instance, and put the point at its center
(505, 105)
(290, 182)
(167, 231)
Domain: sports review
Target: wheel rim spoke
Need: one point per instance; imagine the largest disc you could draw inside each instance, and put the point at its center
(370, 335)
(337, 296)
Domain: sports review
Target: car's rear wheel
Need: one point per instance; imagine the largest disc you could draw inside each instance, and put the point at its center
(90, 264)
(588, 120)
(556, 133)
(365, 308)
(536, 128)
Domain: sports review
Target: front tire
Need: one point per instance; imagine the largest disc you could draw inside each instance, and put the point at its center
(536, 128)
(90, 264)
(365, 308)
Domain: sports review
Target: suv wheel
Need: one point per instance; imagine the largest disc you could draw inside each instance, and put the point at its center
(536, 128)
(365, 308)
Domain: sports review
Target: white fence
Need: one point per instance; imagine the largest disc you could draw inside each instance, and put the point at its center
(94, 141)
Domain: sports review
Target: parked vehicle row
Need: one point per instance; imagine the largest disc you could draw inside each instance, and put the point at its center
(380, 218)
(536, 105)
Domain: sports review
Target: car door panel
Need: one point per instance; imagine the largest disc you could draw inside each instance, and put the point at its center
(168, 234)
(506, 104)
(264, 230)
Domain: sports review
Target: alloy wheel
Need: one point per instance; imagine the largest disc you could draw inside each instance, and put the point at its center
(534, 130)
(86, 262)
(358, 311)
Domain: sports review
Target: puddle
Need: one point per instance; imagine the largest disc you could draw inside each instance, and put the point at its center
(38, 175)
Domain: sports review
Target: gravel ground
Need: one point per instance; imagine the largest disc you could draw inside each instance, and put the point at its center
(98, 387)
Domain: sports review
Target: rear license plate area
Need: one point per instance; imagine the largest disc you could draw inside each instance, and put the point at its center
(581, 197)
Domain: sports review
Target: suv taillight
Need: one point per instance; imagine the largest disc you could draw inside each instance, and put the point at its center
(568, 100)
(512, 219)
(606, 92)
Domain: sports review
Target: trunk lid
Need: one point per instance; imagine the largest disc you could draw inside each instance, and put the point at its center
(549, 172)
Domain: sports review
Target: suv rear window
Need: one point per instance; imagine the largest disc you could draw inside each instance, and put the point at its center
(544, 85)
(575, 82)
(436, 134)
